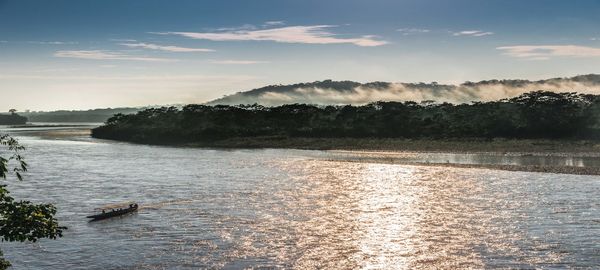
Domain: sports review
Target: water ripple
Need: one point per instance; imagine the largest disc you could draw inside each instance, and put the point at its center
(299, 209)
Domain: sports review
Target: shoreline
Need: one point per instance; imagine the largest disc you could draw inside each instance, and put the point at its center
(500, 146)
(504, 147)
(514, 168)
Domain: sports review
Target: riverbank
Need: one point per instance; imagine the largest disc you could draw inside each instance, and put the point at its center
(502, 167)
(380, 147)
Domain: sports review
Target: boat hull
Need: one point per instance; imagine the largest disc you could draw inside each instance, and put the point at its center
(112, 214)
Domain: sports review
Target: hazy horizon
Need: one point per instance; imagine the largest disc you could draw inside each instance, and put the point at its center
(397, 91)
(83, 55)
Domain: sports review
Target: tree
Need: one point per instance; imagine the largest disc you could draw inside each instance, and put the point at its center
(21, 220)
(532, 115)
(12, 111)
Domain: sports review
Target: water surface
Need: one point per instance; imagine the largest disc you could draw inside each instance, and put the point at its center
(204, 208)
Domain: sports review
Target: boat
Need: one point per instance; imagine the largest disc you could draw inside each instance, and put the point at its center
(114, 211)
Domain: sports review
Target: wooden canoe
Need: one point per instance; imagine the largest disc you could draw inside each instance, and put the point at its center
(114, 213)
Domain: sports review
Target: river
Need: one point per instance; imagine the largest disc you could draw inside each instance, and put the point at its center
(273, 208)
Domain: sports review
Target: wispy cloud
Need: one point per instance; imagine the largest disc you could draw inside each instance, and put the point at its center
(150, 78)
(237, 62)
(273, 23)
(237, 28)
(315, 34)
(412, 31)
(472, 33)
(53, 42)
(165, 48)
(543, 52)
(122, 40)
(107, 55)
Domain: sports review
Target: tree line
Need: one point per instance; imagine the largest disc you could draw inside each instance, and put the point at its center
(12, 118)
(95, 115)
(538, 114)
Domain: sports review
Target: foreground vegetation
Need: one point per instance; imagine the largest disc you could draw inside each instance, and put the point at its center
(471, 145)
(535, 115)
(21, 221)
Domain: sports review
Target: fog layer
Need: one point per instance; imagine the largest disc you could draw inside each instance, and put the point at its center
(348, 92)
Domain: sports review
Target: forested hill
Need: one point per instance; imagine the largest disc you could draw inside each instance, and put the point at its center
(533, 115)
(348, 92)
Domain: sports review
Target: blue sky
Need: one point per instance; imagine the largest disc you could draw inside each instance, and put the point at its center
(88, 54)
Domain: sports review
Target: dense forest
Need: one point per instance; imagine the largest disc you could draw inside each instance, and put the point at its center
(536, 114)
(12, 119)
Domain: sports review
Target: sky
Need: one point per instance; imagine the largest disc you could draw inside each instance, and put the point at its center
(71, 54)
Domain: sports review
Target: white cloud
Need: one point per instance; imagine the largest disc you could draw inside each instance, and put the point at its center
(237, 62)
(107, 55)
(472, 33)
(315, 34)
(543, 52)
(412, 31)
(165, 48)
(122, 40)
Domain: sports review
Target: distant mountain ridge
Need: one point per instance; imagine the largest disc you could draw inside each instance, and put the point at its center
(350, 92)
(90, 116)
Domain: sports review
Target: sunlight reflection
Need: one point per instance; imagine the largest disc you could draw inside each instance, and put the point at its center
(388, 215)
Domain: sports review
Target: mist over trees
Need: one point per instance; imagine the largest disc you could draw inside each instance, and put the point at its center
(538, 114)
(330, 92)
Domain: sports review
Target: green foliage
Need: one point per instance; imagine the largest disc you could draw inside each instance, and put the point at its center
(14, 147)
(532, 115)
(22, 220)
(4, 264)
